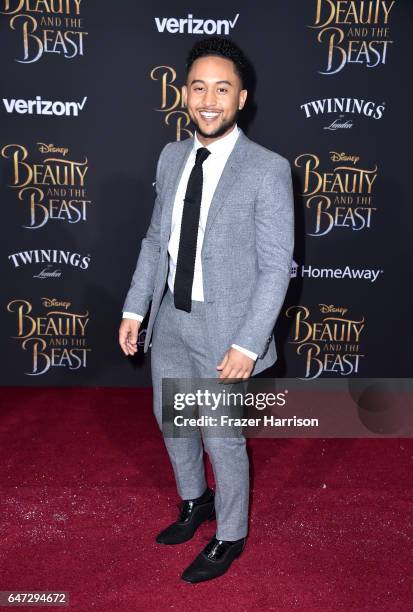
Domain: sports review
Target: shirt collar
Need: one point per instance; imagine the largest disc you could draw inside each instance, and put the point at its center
(222, 146)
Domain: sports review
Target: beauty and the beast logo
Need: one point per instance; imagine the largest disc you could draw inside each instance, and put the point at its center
(52, 190)
(353, 32)
(46, 26)
(330, 345)
(342, 198)
(55, 338)
(171, 101)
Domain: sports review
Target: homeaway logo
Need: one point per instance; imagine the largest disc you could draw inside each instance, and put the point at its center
(43, 107)
(367, 274)
(189, 25)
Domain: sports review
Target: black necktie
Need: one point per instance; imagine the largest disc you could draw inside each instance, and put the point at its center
(184, 274)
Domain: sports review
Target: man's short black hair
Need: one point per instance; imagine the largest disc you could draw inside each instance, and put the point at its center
(223, 47)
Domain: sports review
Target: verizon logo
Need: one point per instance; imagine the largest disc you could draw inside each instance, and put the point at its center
(189, 25)
(43, 107)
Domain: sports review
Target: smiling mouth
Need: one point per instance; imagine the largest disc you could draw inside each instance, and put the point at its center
(209, 116)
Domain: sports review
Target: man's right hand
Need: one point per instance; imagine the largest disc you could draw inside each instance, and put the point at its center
(128, 336)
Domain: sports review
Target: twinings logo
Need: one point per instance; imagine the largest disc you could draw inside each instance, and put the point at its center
(46, 26)
(339, 198)
(55, 338)
(326, 344)
(50, 257)
(345, 109)
(54, 190)
(353, 32)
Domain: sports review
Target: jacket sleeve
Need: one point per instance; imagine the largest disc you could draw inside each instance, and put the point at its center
(143, 280)
(274, 232)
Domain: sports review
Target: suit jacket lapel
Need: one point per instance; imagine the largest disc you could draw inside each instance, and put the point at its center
(230, 173)
(228, 178)
(175, 174)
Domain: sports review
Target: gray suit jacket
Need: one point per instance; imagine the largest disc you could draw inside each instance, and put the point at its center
(246, 253)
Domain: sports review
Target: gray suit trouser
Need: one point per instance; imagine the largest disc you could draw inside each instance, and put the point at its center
(181, 349)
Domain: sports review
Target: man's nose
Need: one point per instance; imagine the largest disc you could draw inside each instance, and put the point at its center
(210, 97)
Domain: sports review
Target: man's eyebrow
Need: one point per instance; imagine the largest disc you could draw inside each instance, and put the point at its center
(217, 82)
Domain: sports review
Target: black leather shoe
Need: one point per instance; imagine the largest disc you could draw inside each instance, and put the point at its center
(193, 512)
(214, 560)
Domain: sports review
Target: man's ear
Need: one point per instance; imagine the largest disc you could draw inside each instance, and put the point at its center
(243, 98)
(184, 94)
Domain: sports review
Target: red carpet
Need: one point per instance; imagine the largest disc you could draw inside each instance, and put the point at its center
(86, 485)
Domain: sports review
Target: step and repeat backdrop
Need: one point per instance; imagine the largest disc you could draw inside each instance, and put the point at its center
(92, 91)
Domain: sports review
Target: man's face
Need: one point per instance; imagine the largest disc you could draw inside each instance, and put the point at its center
(213, 96)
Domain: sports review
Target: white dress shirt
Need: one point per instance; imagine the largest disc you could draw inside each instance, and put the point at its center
(212, 170)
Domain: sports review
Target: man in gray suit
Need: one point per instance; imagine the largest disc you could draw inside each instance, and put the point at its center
(216, 263)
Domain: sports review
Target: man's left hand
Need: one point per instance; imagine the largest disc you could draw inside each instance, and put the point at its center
(236, 365)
